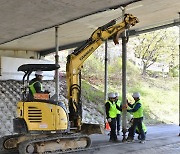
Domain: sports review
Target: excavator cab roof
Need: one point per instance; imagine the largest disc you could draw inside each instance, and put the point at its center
(35, 67)
(29, 68)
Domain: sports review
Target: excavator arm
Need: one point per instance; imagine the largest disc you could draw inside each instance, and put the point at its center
(76, 59)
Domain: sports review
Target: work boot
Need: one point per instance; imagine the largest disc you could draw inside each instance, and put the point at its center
(130, 139)
(142, 141)
(139, 137)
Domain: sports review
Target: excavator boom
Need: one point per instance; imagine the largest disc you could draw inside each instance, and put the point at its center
(77, 58)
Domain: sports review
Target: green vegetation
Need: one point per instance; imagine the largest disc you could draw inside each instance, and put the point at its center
(91, 93)
(156, 46)
(160, 96)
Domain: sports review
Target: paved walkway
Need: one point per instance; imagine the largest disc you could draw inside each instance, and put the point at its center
(161, 139)
(163, 149)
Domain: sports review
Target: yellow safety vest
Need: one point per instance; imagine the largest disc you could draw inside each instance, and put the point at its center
(112, 110)
(118, 104)
(139, 112)
(33, 90)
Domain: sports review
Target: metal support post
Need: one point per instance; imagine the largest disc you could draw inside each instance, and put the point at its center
(124, 111)
(57, 62)
(105, 78)
(179, 70)
(106, 73)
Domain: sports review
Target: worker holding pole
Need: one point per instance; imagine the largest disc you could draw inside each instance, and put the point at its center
(137, 111)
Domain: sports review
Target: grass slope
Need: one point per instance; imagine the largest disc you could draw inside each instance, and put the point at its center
(160, 96)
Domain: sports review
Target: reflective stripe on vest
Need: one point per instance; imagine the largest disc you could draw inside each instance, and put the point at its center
(139, 112)
(33, 90)
(112, 110)
(118, 104)
(143, 127)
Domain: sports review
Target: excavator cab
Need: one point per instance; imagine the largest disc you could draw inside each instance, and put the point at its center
(40, 113)
(28, 69)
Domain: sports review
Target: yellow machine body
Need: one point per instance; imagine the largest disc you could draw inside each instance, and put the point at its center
(42, 116)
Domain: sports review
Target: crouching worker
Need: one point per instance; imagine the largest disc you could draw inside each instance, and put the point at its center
(130, 130)
(111, 114)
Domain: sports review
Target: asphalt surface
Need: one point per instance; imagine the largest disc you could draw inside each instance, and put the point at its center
(160, 139)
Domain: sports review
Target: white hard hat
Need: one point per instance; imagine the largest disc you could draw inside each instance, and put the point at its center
(136, 95)
(117, 94)
(39, 72)
(111, 95)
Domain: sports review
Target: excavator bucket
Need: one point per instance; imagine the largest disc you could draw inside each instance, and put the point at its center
(89, 129)
(129, 20)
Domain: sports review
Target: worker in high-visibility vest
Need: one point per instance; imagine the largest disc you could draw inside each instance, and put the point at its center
(35, 85)
(118, 118)
(137, 111)
(111, 114)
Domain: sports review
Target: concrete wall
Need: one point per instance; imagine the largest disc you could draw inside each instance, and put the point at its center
(19, 54)
(9, 66)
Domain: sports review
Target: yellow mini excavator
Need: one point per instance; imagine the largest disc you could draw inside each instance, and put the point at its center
(43, 125)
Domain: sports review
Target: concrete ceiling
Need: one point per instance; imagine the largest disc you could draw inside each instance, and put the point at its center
(29, 24)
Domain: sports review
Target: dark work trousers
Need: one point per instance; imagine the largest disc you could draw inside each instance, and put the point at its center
(137, 122)
(139, 136)
(112, 124)
(130, 130)
(118, 120)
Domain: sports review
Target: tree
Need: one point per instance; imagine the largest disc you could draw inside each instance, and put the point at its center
(155, 46)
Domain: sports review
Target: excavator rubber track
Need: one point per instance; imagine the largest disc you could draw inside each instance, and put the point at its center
(3, 150)
(48, 145)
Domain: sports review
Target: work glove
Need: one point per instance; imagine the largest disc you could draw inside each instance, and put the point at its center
(124, 106)
(109, 120)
